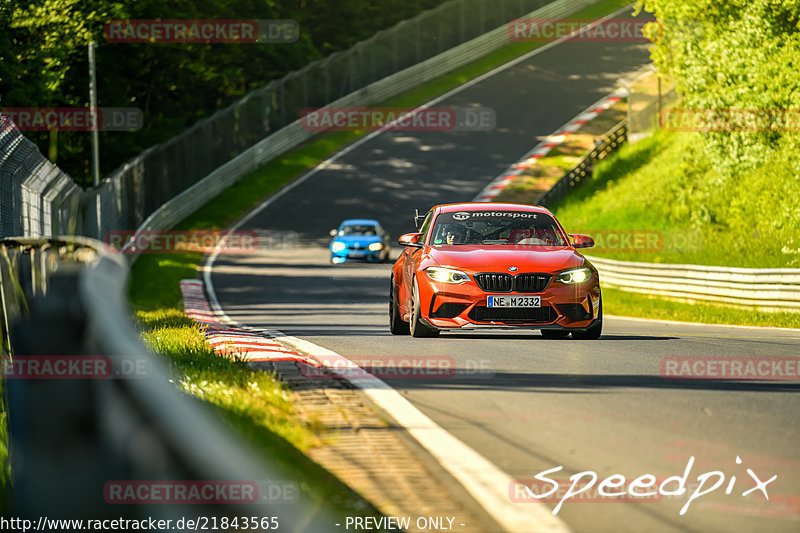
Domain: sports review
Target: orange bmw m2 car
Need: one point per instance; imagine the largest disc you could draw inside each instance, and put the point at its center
(480, 265)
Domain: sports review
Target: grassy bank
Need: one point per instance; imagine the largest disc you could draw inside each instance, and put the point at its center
(621, 303)
(705, 218)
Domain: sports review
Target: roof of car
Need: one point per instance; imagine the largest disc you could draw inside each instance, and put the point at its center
(362, 221)
(491, 206)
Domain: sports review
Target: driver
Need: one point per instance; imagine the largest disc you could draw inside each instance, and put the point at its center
(456, 234)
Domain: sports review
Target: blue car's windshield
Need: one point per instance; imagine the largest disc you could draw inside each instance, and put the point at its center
(522, 228)
(357, 229)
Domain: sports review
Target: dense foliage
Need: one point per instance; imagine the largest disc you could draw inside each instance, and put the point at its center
(737, 54)
(43, 53)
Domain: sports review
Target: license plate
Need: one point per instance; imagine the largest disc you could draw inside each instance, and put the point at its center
(515, 301)
(356, 255)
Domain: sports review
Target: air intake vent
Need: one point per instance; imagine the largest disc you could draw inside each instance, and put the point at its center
(514, 315)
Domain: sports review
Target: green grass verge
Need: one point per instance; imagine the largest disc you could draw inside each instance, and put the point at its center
(748, 221)
(621, 303)
(253, 397)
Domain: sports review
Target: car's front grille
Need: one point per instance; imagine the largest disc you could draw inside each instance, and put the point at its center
(531, 282)
(525, 283)
(527, 315)
(494, 282)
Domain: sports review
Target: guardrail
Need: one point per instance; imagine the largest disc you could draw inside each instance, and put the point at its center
(68, 437)
(609, 143)
(774, 289)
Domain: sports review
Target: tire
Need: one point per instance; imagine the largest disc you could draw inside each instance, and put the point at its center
(396, 324)
(554, 333)
(418, 328)
(594, 331)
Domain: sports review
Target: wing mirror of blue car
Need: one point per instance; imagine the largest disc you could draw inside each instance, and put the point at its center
(410, 239)
(333, 232)
(581, 241)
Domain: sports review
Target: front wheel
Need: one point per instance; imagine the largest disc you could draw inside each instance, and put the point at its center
(396, 324)
(418, 328)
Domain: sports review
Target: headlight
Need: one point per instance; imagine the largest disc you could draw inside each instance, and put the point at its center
(337, 246)
(577, 275)
(375, 246)
(446, 275)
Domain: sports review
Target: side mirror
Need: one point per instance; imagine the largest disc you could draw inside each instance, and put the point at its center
(581, 241)
(410, 239)
(333, 232)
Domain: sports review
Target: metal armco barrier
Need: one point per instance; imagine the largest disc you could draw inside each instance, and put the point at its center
(69, 437)
(583, 170)
(774, 289)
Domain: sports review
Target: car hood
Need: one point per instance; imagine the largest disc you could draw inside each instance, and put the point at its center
(500, 258)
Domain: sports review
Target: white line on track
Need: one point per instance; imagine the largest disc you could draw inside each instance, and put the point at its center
(483, 480)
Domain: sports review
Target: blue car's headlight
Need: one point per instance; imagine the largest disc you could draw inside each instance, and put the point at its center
(575, 275)
(337, 246)
(375, 246)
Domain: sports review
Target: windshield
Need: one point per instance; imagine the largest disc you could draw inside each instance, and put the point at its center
(358, 229)
(517, 228)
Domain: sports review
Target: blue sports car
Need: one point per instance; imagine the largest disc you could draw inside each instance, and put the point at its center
(359, 239)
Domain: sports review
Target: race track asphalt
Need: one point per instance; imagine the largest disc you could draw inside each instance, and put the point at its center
(599, 406)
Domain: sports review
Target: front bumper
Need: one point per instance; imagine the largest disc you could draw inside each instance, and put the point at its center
(464, 306)
(346, 256)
